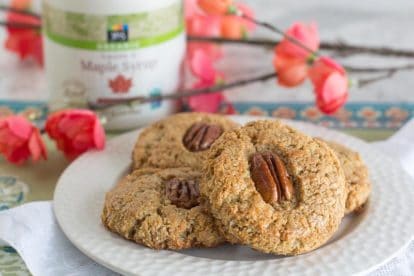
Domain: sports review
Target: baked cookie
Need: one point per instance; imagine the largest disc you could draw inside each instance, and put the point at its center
(181, 140)
(160, 209)
(358, 185)
(273, 188)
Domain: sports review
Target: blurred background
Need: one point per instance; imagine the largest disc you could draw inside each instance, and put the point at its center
(385, 104)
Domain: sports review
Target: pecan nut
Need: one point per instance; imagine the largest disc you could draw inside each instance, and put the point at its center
(183, 193)
(200, 136)
(270, 177)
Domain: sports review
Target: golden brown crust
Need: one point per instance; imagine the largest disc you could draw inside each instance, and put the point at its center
(161, 144)
(288, 228)
(138, 209)
(357, 180)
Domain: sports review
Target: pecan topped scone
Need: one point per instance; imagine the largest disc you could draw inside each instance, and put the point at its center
(273, 188)
(160, 209)
(181, 140)
(358, 185)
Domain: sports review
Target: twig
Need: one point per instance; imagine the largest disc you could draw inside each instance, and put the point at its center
(247, 41)
(20, 11)
(366, 82)
(353, 69)
(331, 46)
(189, 93)
(107, 102)
(278, 31)
(18, 25)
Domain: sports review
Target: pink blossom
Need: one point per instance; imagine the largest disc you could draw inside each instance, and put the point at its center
(75, 131)
(202, 67)
(204, 25)
(330, 84)
(290, 60)
(205, 102)
(216, 7)
(20, 140)
(308, 35)
(235, 27)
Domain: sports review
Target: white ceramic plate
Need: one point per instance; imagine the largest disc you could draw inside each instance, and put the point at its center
(363, 242)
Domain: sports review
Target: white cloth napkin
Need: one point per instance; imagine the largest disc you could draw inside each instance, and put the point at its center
(32, 229)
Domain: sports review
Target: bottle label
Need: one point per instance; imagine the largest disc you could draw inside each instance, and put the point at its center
(113, 32)
(98, 59)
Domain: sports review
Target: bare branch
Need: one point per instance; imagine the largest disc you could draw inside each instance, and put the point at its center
(189, 93)
(366, 82)
(343, 48)
(18, 25)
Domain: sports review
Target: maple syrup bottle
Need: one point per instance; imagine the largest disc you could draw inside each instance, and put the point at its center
(97, 52)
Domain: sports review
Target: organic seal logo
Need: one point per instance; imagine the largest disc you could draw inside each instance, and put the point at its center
(120, 84)
(118, 33)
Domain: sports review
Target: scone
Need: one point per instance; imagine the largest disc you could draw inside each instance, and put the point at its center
(273, 188)
(160, 209)
(181, 140)
(358, 185)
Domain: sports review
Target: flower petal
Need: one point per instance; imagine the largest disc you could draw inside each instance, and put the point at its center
(24, 42)
(232, 27)
(203, 25)
(322, 68)
(36, 146)
(76, 131)
(306, 34)
(20, 126)
(209, 103)
(335, 86)
(333, 93)
(20, 140)
(202, 66)
(205, 102)
(99, 135)
(290, 71)
(216, 7)
(246, 10)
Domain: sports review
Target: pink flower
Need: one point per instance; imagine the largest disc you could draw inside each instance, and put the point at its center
(205, 102)
(306, 34)
(202, 66)
(235, 27)
(191, 8)
(246, 10)
(75, 131)
(290, 60)
(204, 25)
(330, 84)
(27, 43)
(216, 7)
(20, 140)
(290, 71)
(21, 4)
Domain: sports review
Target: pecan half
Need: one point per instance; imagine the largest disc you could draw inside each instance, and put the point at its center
(270, 177)
(200, 136)
(183, 193)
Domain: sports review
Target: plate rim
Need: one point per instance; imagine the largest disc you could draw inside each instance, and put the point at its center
(107, 264)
